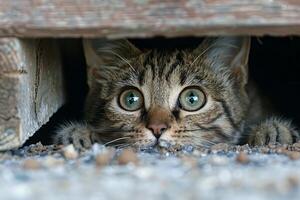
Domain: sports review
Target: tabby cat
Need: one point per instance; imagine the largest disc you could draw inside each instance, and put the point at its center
(173, 99)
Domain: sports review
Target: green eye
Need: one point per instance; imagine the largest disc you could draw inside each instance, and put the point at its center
(131, 99)
(192, 99)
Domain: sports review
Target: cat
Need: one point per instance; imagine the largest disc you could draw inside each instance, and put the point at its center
(173, 98)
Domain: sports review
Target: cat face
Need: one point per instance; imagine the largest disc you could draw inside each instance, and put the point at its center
(171, 99)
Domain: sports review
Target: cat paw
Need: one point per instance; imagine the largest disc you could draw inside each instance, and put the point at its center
(273, 131)
(75, 133)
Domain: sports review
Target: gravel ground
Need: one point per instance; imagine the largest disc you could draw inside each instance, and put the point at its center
(222, 172)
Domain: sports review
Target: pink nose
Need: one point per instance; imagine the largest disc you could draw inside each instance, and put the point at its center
(157, 129)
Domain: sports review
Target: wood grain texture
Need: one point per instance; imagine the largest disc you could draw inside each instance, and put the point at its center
(31, 87)
(145, 18)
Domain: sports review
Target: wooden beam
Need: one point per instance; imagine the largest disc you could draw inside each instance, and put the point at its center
(31, 87)
(145, 18)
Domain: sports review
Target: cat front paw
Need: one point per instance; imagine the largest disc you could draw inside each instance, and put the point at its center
(75, 133)
(273, 131)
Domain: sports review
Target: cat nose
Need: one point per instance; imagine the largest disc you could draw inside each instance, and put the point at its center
(157, 129)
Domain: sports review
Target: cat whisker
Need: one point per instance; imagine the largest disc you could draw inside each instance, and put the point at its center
(115, 140)
(120, 146)
(222, 133)
(204, 145)
(207, 146)
(192, 130)
(125, 60)
(208, 142)
(201, 129)
(199, 56)
(209, 47)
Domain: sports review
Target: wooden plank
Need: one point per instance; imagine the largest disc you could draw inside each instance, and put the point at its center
(145, 18)
(31, 87)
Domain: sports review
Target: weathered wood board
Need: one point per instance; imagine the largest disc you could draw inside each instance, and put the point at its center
(31, 87)
(141, 18)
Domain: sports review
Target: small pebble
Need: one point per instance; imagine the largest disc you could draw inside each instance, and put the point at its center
(37, 148)
(293, 182)
(281, 150)
(127, 156)
(218, 160)
(293, 155)
(51, 161)
(31, 164)
(296, 146)
(69, 152)
(264, 150)
(272, 146)
(242, 158)
(219, 147)
(105, 158)
(189, 161)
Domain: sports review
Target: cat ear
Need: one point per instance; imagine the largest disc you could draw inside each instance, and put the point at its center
(103, 55)
(109, 52)
(227, 53)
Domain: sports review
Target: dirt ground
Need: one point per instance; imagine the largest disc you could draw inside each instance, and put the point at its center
(222, 172)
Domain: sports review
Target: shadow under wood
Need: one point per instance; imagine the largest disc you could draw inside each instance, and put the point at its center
(75, 87)
(274, 64)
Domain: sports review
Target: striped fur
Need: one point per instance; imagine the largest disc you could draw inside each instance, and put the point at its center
(218, 66)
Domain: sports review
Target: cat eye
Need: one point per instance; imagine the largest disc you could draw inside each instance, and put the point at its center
(131, 99)
(192, 99)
